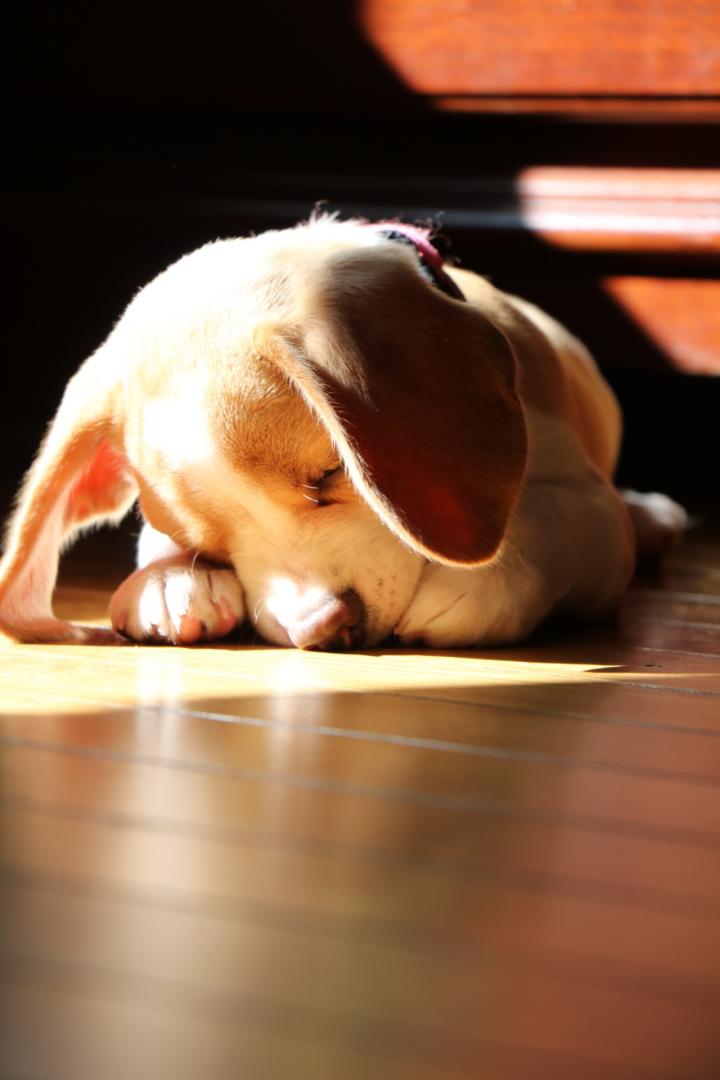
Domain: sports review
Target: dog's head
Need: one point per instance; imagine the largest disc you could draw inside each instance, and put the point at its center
(307, 405)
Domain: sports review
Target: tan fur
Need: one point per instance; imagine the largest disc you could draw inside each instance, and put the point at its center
(369, 455)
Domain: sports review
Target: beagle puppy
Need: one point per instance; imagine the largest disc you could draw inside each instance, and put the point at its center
(339, 439)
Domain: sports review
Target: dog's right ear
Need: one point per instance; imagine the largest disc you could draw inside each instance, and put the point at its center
(417, 392)
(80, 476)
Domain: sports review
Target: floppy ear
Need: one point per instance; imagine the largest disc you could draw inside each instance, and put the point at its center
(80, 476)
(418, 392)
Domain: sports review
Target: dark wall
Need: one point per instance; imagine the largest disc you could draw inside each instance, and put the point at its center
(136, 132)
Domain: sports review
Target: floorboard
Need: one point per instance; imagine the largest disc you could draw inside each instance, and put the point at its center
(240, 861)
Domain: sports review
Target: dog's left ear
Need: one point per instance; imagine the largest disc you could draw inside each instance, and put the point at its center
(80, 476)
(418, 392)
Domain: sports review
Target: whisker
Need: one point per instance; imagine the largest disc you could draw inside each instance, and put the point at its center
(310, 499)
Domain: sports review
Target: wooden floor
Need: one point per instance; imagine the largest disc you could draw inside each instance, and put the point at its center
(255, 863)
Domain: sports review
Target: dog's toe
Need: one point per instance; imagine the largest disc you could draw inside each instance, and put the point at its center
(179, 601)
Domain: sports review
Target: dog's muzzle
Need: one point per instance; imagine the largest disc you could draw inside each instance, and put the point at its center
(334, 624)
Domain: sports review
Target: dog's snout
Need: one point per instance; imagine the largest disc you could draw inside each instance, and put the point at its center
(336, 623)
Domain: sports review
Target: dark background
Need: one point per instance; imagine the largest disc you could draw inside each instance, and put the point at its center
(136, 132)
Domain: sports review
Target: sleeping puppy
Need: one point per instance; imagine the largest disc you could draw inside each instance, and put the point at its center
(335, 437)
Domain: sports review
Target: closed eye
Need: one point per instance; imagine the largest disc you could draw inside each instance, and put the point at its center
(322, 486)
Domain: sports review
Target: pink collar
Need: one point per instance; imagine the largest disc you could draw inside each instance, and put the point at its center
(431, 260)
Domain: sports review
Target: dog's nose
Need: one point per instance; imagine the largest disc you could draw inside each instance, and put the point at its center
(336, 623)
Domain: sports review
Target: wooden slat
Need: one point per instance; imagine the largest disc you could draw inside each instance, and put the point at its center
(500, 728)
(511, 783)
(101, 1024)
(681, 317)
(600, 47)
(625, 110)
(615, 209)
(604, 209)
(210, 965)
(665, 870)
(192, 1041)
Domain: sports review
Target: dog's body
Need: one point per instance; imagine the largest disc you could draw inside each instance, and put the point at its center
(327, 444)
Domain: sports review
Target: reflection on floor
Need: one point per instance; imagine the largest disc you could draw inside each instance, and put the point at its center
(251, 863)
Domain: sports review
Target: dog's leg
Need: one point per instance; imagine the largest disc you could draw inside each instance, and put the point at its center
(176, 597)
(568, 549)
(153, 545)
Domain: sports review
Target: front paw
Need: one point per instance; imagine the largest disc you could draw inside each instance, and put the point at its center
(178, 600)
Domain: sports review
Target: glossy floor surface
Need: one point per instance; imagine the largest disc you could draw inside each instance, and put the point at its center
(253, 863)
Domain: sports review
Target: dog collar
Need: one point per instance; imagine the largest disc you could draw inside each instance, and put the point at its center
(431, 261)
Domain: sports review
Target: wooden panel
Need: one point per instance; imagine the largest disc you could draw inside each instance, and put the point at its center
(599, 47)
